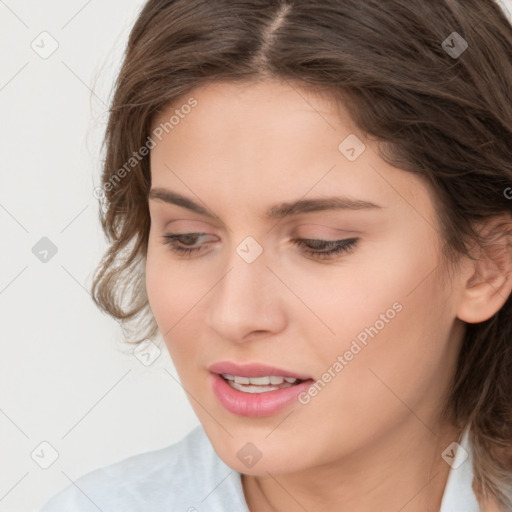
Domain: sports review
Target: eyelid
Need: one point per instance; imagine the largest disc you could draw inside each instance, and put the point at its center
(331, 228)
(188, 225)
(333, 249)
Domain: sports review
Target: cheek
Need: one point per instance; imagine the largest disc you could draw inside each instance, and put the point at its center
(157, 285)
(415, 355)
(355, 297)
(175, 299)
(164, 291)
(392, 320)
(169, 289)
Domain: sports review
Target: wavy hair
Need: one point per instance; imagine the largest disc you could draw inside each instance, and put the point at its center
(445, 116)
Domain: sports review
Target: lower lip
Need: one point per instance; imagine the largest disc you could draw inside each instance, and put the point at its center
(255, 404)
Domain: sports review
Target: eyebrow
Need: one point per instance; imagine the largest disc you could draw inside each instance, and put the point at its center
(278, 211)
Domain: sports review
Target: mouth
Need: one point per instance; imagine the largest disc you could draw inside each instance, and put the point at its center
(259, 384)
(254, 370)
(256, 389)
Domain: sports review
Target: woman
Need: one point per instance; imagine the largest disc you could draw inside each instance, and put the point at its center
(311, 203)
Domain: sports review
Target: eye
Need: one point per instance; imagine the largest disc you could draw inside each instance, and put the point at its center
(320, 249)
(331, 247)
(173, 242)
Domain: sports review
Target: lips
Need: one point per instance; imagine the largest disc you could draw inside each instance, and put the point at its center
(259, 399)
(254, 370)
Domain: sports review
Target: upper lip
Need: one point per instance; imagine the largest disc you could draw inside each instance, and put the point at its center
(253, 370)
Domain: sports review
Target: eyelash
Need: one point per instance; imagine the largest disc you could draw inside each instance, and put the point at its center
(338, 246)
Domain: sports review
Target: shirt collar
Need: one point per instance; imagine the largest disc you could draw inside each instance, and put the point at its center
(458, 494)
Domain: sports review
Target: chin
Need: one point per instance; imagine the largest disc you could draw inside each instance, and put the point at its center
(257, 456)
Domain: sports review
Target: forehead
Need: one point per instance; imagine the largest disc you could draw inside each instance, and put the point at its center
(269, 142)
(262, 107)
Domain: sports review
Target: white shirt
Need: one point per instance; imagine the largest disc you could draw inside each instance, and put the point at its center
(188, 476)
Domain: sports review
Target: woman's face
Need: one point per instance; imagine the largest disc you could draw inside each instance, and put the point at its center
(374, 325)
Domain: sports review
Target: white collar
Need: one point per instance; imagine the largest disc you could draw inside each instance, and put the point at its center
(458, 494)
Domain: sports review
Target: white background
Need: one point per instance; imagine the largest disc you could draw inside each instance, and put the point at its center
(65, 377)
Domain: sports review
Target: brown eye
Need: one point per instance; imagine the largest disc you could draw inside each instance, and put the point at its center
(187, 239)
(330, 248)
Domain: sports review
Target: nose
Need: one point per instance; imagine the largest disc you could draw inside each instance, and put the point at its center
(247, 302)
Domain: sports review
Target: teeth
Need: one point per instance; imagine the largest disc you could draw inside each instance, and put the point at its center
(259, 381)
(257, 389)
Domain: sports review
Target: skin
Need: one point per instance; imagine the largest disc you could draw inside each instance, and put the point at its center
(372, 438)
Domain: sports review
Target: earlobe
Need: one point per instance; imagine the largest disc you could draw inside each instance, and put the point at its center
(487, 282)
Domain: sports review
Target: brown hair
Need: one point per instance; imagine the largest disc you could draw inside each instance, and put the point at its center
(446, 117)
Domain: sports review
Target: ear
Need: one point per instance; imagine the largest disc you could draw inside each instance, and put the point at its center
(487, 275)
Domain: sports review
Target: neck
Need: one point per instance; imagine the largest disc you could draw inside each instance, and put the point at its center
(402, 470)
